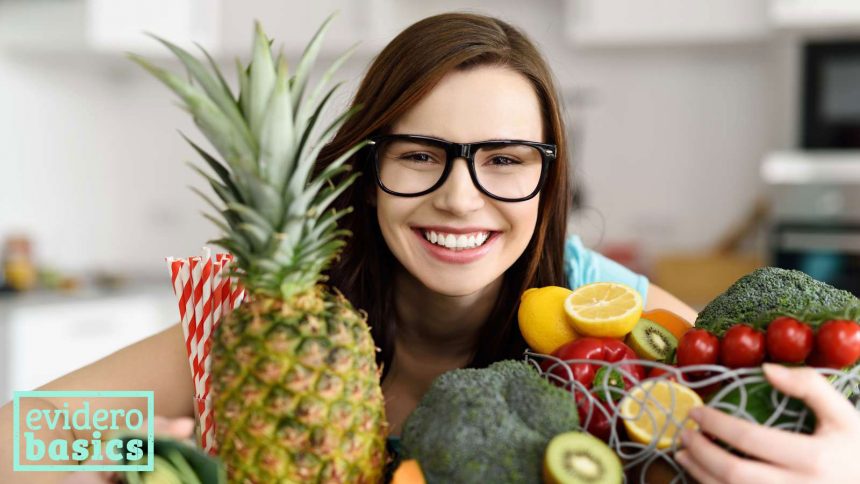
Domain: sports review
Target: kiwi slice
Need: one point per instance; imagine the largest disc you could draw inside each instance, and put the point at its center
(651, 341)
(580, 458)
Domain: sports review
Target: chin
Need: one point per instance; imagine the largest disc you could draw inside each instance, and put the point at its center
(459, 288)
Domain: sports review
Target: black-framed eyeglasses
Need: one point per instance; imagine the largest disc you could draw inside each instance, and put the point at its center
(506, 170)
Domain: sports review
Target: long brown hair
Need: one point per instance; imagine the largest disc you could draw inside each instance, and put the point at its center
(401, 75)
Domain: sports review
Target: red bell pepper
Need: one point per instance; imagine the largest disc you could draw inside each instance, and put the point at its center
(602, 349)
(599, 349)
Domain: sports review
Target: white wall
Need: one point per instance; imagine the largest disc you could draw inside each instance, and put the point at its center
(668, 142)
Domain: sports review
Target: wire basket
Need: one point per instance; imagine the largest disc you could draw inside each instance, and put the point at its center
(733, 392)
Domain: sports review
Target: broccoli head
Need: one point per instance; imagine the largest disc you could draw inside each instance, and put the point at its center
(767, 293)
(487, 425)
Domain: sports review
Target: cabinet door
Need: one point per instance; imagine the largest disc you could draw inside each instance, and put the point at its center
(632, 22)
(45, 342)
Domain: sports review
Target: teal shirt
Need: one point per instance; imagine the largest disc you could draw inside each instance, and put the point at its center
(584, 266)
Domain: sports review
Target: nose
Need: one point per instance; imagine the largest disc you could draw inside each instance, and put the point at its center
(458, 194)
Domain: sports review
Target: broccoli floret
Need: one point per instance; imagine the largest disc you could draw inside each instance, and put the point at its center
(487, 425)
(767, 293)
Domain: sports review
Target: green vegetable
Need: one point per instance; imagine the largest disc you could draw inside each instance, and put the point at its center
(177, 462)
(487, 425)
(760, 406)
(767, 293)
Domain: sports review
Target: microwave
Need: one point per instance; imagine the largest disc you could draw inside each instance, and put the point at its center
(831, 94)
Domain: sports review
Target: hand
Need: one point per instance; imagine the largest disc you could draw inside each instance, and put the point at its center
(179, 428)
(829, 455)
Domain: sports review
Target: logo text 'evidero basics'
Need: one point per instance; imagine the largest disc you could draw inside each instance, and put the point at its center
(37, 446)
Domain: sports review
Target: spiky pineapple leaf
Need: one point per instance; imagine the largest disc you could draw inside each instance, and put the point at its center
(277, 139)
(274, 218)
(308, 59)
(261, 80)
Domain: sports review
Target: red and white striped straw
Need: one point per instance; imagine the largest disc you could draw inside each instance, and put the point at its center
(207, 290)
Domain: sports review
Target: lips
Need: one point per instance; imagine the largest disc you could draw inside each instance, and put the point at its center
(459, 256)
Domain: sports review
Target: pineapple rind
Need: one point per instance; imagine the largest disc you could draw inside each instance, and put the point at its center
(296, 392)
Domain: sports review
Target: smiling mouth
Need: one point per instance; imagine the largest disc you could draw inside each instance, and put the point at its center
(456, 242)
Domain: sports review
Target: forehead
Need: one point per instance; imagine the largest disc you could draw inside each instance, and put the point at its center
(486, 102)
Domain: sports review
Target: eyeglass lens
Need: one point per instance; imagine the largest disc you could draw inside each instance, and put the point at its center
(413, 166)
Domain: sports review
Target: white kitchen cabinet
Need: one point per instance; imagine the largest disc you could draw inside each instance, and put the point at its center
(664, 22)
(41, 340)
(815, 15)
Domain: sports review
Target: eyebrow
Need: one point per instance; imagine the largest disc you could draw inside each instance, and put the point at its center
(467, 142)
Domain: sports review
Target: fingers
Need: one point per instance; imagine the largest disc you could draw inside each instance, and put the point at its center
(707, 457)
(829, 406)
(774, 445)
(181, 428)
(694, 468)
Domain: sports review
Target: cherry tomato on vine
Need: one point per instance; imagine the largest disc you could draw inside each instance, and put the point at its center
(742, 347)
(788, 340)
(838, 343)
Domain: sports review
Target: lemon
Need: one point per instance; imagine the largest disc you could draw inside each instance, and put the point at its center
(543, 323)
(604, 309)
(655, 409)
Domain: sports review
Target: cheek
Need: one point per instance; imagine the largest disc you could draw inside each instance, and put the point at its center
(523, 218)
(391, 213)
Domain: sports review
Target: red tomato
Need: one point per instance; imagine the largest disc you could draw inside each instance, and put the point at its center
(742, 347)
(698, 347)
(600, 425)
(657, 372)
(788, 340)
(838, 343)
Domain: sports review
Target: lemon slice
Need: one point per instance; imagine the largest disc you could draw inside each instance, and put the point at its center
(655, 409)
(604, 309)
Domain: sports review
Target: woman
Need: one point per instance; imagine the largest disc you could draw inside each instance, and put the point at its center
(458, 79)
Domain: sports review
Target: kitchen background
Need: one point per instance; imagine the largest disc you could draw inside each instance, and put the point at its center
(693, 125)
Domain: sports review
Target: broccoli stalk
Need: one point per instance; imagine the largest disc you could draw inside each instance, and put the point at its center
(487, 425)
(767, 293)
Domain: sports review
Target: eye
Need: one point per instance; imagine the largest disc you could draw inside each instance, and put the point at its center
(500, 160)
(418, 157)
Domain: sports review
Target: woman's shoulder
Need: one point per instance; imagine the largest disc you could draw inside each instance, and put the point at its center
(584, 266)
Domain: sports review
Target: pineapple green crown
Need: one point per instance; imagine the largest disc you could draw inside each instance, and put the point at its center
(274, 216)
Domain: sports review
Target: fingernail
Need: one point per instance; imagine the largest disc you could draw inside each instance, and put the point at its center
(686, 436)
(681, 456)
(775, 371)
(695, 414)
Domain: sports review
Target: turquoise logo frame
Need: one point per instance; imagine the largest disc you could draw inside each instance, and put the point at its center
(150, 431)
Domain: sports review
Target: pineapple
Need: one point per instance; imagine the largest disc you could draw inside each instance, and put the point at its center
(295, 386)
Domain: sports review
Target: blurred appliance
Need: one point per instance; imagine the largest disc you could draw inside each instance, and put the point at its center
(831, 94)
(815, 214)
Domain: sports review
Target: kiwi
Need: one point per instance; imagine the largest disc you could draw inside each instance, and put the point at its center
(580, 458)
(651, 341)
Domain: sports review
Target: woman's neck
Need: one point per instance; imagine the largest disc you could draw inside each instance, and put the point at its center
(439, 327)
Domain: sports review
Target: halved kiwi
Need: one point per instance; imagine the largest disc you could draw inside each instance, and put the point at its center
(651, 341)
(580, 458)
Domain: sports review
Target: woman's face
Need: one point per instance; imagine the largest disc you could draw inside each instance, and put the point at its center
(484, 103)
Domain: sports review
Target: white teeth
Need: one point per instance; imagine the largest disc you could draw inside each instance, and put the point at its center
(457, 242)
(451, 241)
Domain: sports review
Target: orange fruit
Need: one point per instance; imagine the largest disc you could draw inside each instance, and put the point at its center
(542, 319)
(408, 472)
(669, 320)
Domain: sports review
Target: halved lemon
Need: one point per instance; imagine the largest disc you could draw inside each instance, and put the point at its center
(604, 309)
(654, 410)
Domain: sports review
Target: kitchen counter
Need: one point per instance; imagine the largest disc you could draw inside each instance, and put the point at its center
(44, 335)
